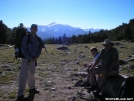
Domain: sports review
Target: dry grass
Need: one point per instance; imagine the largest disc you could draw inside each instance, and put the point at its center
(57, 67)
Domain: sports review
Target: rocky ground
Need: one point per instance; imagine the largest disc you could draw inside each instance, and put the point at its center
(57, 73)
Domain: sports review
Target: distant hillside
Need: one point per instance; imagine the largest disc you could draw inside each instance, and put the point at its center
(124, 31)
(56, 30)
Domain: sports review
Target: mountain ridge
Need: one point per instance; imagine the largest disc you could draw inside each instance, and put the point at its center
(55, 30)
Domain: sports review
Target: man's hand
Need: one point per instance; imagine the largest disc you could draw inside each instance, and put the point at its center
(90, 69)
(31, 60)
(35, 58)
(87, 65)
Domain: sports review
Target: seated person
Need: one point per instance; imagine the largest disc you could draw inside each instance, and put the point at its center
(91, 76)
(109, 63)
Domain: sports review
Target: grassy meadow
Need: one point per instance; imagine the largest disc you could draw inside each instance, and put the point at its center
(55, 72)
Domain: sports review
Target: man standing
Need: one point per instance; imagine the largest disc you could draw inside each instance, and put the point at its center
(109, 63)
(31, 51)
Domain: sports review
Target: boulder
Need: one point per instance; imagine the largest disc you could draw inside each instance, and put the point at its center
(112, 87)
(118, 44)
(5, 65)
(62, 48)
(122, 46)
(69, 87)
(86, 46)
(77, 62)
(53, 89)
(83, 74)
(2, 45)
(122, 62)
(129, 59)
(9, 69)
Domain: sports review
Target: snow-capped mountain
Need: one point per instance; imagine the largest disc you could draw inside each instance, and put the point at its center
(56, 30)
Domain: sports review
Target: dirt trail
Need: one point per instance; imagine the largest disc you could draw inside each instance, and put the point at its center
(58, 84)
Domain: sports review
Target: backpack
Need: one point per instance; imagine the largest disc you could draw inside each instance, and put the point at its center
(20, 33)
(127, 88)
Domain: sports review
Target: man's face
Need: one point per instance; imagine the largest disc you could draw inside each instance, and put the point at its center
(93, 53)
(33, 29)
(106, 46)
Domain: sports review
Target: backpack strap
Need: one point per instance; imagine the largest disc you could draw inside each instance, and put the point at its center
(42, 44)
(28, 39)
(39, 40)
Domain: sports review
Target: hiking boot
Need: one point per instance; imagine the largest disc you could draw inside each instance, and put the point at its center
(21, 98)
(33, 91)
(92, 88)
(85, 84)
(96, 93)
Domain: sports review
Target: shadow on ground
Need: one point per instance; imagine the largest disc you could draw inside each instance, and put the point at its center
(96, 98)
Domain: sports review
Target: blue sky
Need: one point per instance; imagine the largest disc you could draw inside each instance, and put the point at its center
(106, 14)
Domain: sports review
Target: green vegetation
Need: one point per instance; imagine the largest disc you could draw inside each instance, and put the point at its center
(60, 68)
(12, 94)
(122, 32)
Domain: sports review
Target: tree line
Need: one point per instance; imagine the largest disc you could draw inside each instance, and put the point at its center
(122, 32)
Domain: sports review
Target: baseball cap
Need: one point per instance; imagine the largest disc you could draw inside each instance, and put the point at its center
(34, 25)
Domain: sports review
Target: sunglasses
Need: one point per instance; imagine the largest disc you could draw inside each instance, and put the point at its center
(105, 44)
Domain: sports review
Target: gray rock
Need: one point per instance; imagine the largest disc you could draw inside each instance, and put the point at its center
(53, 89)
(81, 51)
(71, 98)
(132, 67)
(83, 74)
(122, 62)
(72, 79)
(127, 66)
(124, 41)
(9, 69)
(62, 63)
(49, 82)
(129, 59)
(83, 55)
(119, 44)
(120, 69)
(77, 62)
(132, 55)
(69, 87)
(122, 46)
(3, 74)
(53, 96)
(80, 93)
(112, 87)
(86, 47)
(68, 69)
(2, 45)
(68, 52)
(5, 65)
(10, 46)
(62, 48)
(83, 93)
